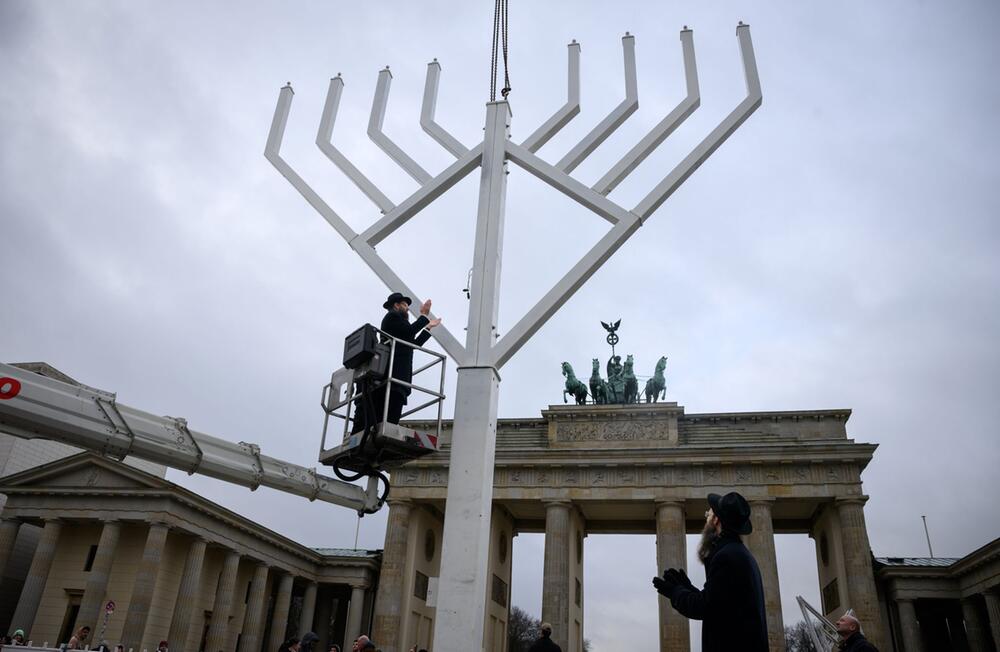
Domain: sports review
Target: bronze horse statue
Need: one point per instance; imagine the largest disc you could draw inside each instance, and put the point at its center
(573, 385)
(598, 386)
(657, 384)
(631, 382)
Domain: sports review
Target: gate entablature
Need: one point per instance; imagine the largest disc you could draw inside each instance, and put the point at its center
(593, 452)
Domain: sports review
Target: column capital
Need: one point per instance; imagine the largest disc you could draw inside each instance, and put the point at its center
(668, 502)
(401, 502)
(761, 500)
(358, 585)
(840, 501)
(557, 502)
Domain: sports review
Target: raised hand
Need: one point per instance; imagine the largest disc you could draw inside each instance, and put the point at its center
(434, 322)
(425, 309)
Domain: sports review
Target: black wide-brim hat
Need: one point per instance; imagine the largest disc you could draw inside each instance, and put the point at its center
(733, 510)
(395, 298)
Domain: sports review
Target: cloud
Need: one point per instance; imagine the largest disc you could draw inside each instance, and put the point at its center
(838, 251)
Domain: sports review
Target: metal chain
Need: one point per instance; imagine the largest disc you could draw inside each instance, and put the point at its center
(499, 44)
(506, 75)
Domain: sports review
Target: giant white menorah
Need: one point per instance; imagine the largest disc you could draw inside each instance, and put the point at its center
(462, 587)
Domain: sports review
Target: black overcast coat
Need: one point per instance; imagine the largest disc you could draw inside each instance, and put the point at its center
(731, 605)
(856, 642)
(395, 324)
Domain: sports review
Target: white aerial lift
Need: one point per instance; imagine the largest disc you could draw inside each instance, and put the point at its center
(33, 406)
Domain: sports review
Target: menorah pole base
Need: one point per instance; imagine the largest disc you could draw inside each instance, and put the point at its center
(465, 549)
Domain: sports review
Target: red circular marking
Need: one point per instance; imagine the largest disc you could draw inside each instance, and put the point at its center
(9, 387)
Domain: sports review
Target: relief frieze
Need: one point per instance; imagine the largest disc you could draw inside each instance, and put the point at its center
(577, 431)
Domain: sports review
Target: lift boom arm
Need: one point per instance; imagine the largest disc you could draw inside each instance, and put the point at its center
(35, 406)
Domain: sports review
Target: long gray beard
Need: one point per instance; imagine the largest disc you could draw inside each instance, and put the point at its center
(707, 543)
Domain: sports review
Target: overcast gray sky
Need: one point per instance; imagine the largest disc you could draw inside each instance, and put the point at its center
(839, 251)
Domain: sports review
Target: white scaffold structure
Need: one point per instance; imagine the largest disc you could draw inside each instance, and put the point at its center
(35, 406)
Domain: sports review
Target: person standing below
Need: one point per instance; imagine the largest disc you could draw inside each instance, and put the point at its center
(396, 323)
(78, 640)
(731, 604)
(852, 638)
(544, 642)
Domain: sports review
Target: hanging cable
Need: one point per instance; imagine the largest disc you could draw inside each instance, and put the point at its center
(499, 46)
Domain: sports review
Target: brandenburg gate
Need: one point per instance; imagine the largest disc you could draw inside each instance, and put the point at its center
(636, 469)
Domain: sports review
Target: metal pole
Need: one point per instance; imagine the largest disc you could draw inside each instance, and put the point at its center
(465, 548)
(928, 535)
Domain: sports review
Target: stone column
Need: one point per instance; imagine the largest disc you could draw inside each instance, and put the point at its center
(279, 619)
(975, 629)
(142, 588)
(38, 575)
(91, 606)
(909, 628)
(671, 552)
(187, 597)
(555, 572)
(218, 631)
(8, 536)
(354, 613)
(761, 545)
(308, 614)
(389, 599)
(858, 567)
(993, 609)
(253, 621)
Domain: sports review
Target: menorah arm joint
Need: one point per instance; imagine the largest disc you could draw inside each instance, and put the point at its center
(375, 123)
(716, 137)
(567, 112)
(324, 140)
(613, 120)
(620, 170)
(427, 110)
(566, 184)
(423, 196)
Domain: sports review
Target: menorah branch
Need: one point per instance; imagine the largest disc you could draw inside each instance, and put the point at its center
(568, 110)
(716, 137)
(561, 292)
(385, 143)
(661, 131)
(272, 151)
(436, 131)
(615, 119)
(324, 140)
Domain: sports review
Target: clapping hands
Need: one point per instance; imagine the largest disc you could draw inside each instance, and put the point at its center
(425, 309)
(672, 579)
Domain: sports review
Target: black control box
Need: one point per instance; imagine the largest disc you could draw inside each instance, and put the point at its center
(360, 346)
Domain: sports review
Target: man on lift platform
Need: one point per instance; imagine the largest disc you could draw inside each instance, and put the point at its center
(397, 323)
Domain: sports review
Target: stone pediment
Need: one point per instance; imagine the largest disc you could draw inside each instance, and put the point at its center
(82, 471)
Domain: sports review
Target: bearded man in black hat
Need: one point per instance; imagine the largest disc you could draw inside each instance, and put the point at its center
(397, 323)
(731, 604)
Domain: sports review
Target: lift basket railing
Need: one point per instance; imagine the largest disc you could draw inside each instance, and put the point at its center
(387, 445)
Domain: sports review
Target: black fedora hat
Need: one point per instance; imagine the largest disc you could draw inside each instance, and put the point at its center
(395, 298)
(733, 510)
